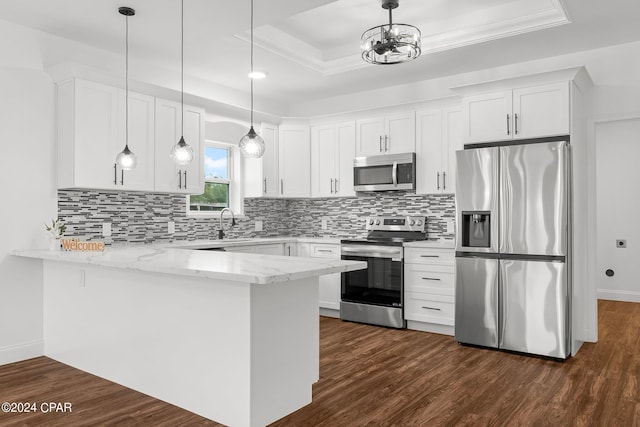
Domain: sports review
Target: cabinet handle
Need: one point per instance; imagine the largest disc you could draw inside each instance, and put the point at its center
(115, 174)
(122, 177)
(430, 278)
(438, 180)
(444, 180)
(180, 178)
(336, 185)
(429, 256)
(265, 186)
(324, 250)
(381, 143)
(508, 129)
(281, 186)
(386, 143)
(430, 308)
(516, 127)
(331, 185)
(289, 250)
(185, 180)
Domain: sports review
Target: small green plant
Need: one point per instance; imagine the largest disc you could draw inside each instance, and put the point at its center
(57, 228)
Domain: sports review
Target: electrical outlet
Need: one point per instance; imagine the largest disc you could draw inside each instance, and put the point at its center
(325, 223)
(258, 226)
(450, 227)
(106, 229)
(171, 227)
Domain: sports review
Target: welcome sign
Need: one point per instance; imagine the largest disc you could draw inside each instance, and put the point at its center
(77, 245)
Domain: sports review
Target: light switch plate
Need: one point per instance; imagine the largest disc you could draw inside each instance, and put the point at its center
(450, 228)
(258, 226)
(325, 223)
(106, 229)
(171, 227)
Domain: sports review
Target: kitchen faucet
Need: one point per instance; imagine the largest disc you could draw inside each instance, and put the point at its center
(233, 222)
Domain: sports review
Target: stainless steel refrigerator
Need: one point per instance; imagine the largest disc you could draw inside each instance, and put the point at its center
(513, 272)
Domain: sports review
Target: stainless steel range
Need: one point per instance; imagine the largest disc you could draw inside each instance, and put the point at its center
(376, 295)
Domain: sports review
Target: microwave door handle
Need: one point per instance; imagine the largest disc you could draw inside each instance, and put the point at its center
(394, 173)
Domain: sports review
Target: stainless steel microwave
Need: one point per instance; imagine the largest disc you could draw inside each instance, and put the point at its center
(385, 172)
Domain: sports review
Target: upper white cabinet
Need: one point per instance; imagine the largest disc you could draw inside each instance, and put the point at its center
(91, 133)
(332, 153)
(169, 176)
(260, 176)
(438, 137)
(528, 112)
(395, 133)
(294, 161)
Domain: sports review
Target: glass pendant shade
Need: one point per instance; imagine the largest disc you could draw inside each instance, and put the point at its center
(182, 153)
(391, 43)
(126, 159)
(252, 144)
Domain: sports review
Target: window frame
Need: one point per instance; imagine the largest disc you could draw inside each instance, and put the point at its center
(233, 169)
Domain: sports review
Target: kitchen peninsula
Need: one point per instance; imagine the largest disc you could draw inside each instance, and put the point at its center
(233, 337)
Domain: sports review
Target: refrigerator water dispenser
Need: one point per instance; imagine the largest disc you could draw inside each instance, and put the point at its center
(476, 229)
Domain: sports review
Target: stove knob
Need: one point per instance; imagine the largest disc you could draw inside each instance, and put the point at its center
(377, 222)
(419, 223)
(412, 223)
(370, 222)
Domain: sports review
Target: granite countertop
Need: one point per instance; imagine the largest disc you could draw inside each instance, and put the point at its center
(241, 267)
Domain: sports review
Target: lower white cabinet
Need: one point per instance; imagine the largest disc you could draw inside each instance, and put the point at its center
(429, 289)
(266, 249)
(329, 283)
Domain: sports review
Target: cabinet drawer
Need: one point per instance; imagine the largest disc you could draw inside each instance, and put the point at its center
(323, 250)
(429, 308)
(431, 279)
(429, 256)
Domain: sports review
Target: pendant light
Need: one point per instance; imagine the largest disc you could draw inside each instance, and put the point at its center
(126, 159)
(182, 153)
(393, 43)
(252, 144)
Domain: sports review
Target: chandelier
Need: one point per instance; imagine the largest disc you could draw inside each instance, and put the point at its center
(391, 43)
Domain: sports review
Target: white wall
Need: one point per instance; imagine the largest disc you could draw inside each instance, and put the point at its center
(28, 189)
(617, 144)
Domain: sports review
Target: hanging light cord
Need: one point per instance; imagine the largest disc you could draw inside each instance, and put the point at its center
(252, 63)
(182, 65)
(126, 82)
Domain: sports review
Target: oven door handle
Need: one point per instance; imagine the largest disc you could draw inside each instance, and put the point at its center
(376, 252)
(394, 173)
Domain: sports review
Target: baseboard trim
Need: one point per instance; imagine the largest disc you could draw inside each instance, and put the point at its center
(431, 327)
(23, 351)
(327, 312)
(617, 295)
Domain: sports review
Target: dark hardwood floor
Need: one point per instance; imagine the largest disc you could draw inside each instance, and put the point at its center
(372, 376)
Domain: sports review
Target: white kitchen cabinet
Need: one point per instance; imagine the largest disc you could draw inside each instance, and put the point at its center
(429, 289)
(261, 174)
(332, 153)
(91, 133)
(169, 176)
(265, 248)
(438, 138)
(394, 133)
(329, 283)
(294, 161)
(528, 112)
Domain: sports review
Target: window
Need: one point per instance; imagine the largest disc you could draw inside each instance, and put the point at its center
(220, 189)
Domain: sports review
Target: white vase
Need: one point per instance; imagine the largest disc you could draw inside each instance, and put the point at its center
(54, 244)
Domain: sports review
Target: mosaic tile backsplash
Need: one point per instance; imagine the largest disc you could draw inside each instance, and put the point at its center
(143, 217)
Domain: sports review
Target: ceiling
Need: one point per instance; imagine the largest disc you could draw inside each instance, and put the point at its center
(310, 48)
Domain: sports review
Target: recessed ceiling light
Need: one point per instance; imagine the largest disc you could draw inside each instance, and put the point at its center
(257, 75)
